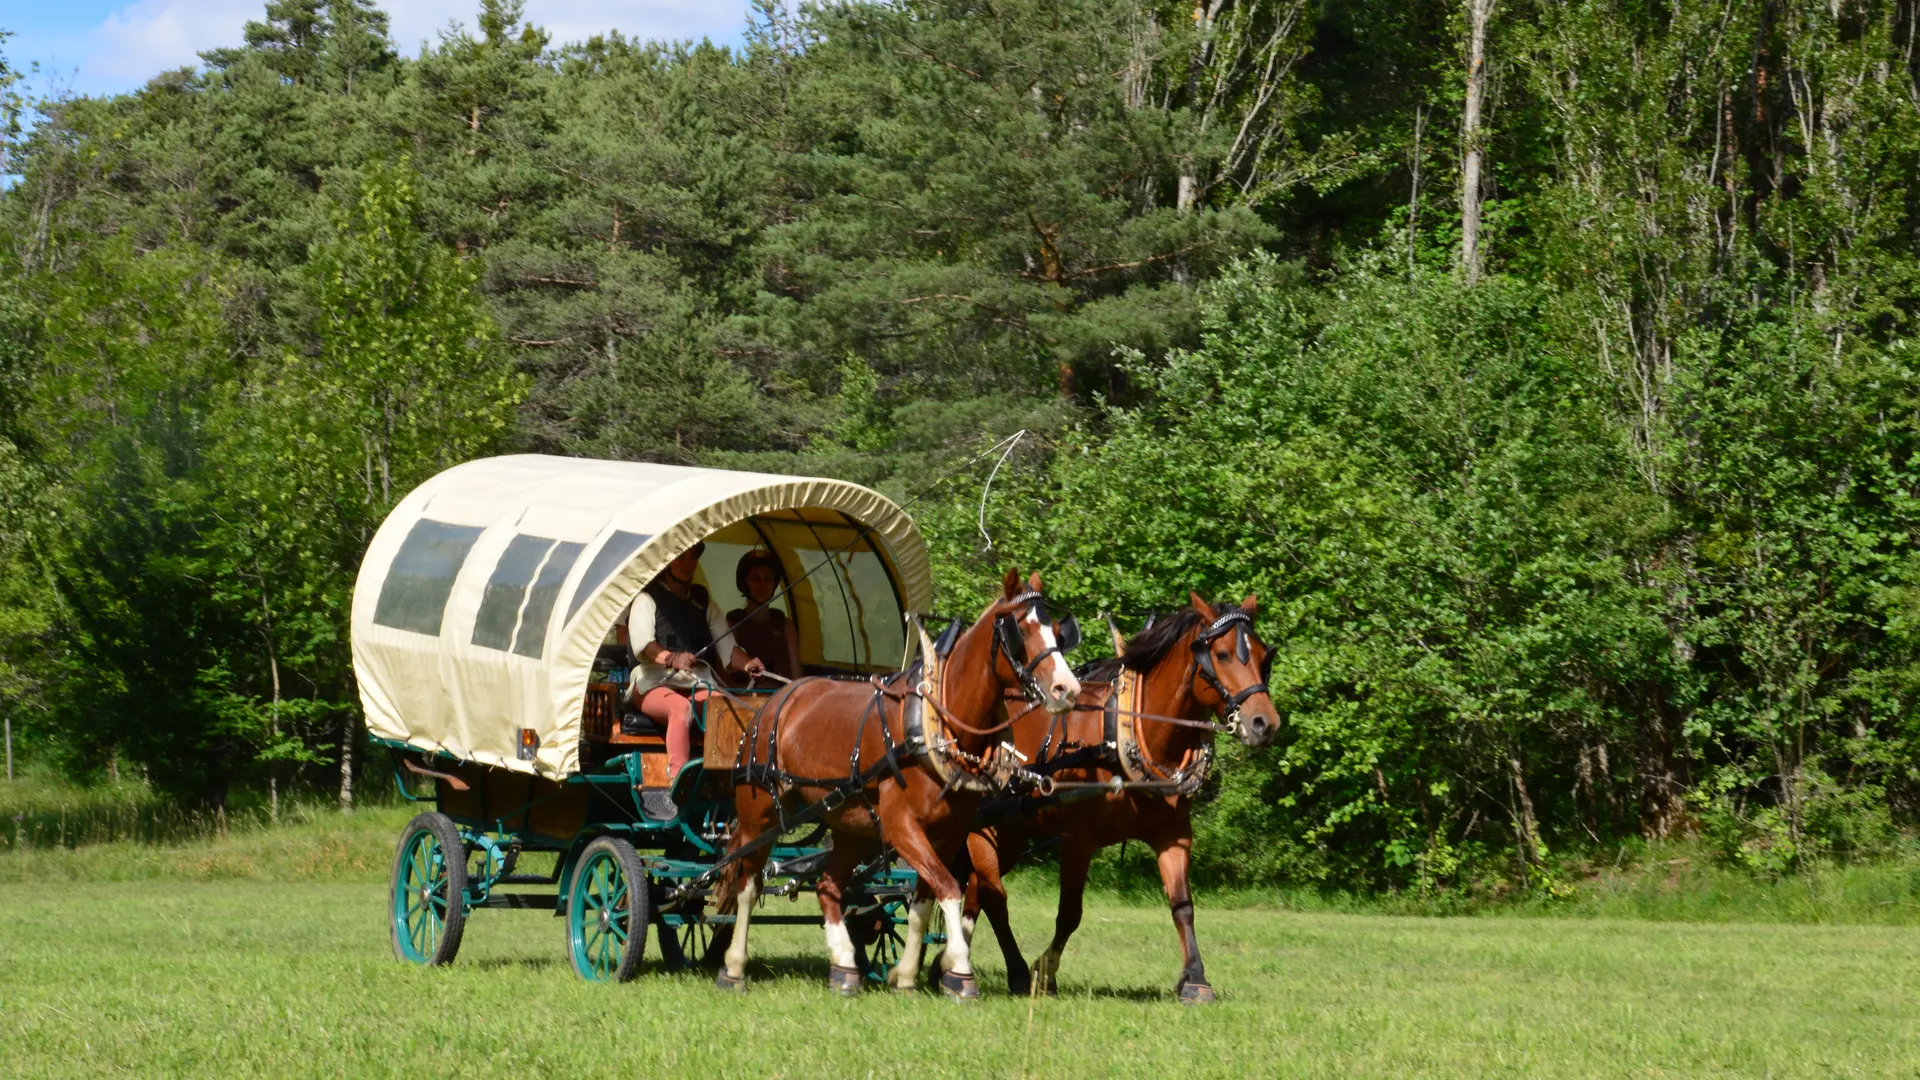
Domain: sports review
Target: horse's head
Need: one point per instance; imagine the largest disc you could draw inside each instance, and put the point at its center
(1030, 647)
(1230, 668)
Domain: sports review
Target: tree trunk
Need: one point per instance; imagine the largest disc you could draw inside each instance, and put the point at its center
(1413, 198)
(1526, 828)
(346, 766)
(1662, 789)
(1479, 13)
(273, 728)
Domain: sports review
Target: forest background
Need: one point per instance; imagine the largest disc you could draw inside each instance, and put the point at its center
(1547, 367)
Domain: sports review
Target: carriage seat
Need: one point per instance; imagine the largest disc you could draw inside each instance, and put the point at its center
(636, 723)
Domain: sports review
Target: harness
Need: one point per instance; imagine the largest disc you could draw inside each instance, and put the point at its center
(919, 691)
(1007, 641)
(1123, 717)
(1122, 750)
(1240, 625)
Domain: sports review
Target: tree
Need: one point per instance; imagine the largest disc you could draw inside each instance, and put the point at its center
(405, 378)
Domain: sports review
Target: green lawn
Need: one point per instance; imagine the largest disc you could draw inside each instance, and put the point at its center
(240, 977)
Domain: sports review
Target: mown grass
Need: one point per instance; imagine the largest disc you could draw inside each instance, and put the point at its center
(122, 833)
(240, 947)
(253, 979)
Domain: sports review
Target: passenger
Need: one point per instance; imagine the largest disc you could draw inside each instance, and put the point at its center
(759, 627)
(682, 628)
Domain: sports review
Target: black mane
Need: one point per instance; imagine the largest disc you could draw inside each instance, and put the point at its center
(1149, 646)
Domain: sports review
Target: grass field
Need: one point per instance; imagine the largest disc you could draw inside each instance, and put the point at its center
(263, 951)
(247, 978)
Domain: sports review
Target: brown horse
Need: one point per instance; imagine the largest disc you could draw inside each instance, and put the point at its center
(898, 762)
(1147, 725)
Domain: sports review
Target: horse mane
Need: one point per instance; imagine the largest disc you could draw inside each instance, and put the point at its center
(1149, 646)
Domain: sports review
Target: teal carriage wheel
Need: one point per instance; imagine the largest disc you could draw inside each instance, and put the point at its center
(429, 892)
(693, 943)
(879, 939)
(607, 912)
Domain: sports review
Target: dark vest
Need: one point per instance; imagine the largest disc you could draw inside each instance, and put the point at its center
(681, 625)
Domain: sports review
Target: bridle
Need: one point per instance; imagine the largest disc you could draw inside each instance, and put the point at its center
(1240, 625)
(1008, 642)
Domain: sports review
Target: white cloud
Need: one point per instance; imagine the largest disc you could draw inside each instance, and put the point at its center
(415, 21)
(145, 38)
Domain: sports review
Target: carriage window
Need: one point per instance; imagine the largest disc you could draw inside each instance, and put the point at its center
(860, 621)
(506, 589)
(414, 596)
(616, 551)
(532, 638)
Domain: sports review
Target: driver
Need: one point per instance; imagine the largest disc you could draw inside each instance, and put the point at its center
(683, 629)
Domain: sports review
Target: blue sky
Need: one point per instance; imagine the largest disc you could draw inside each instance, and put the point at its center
(107, 46)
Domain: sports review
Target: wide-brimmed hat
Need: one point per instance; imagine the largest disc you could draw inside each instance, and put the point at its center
(756, 557)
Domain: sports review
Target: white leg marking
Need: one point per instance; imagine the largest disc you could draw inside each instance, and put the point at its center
(840, 944)
(957, 958)
(742, 915)
(907, 972)
(966, 927)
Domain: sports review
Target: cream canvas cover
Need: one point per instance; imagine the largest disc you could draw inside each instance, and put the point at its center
(486, 594)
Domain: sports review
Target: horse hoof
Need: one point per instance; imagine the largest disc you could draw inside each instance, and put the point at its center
(729, 983)
(959, 987)
(845, 981)
(1045, 986)
(1019, 985)
(1194, 993)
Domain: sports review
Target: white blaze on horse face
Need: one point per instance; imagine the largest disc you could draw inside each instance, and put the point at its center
(907, 972)
(1065, 686)
(743, 913)
(840, 944)
(958, 958)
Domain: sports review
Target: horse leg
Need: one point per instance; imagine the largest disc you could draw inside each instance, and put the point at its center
(1076, 854)
(906, 973)
(844, 975)
(988, 894)
(1174, 852)
(911, 840)
(756, 814)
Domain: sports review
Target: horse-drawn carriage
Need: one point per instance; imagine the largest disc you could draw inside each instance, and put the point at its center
(481, 621)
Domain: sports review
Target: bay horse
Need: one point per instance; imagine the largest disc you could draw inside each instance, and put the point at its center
(1144, 722)
(902, 761)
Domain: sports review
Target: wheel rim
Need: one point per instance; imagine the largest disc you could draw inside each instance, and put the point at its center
(421, 899)
(693, 939)
(888, 945)
(600, 915)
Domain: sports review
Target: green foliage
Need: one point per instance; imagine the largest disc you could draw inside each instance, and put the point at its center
(1615, 543)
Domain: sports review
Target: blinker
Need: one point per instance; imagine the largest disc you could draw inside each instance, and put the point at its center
(1069, 634)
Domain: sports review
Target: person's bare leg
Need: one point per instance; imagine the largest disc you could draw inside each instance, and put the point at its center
(671, 708)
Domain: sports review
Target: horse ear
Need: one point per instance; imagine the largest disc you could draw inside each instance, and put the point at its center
(1251, 604)
(1011, 583)
(1033, 582)
(1205, 609)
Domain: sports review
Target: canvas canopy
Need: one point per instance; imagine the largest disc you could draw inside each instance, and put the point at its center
(487, 593)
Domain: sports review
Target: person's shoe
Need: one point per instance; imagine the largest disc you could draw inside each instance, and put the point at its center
(658, 804)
